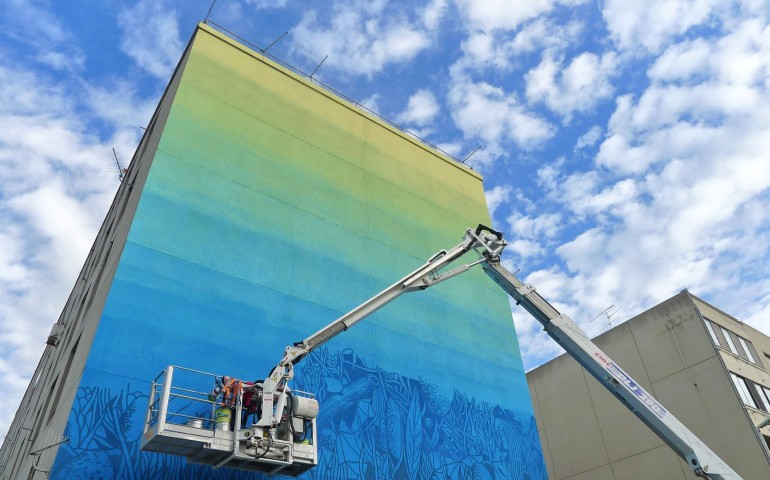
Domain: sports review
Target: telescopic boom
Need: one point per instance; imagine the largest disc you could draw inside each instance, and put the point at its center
(483, 240)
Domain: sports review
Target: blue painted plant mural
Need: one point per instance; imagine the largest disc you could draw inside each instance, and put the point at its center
(373, 425)
(381, 425)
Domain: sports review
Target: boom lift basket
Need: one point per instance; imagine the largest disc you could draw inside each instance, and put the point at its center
(182, 419)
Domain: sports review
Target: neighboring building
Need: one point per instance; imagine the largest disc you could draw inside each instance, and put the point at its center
(258, 208)
(704, 366)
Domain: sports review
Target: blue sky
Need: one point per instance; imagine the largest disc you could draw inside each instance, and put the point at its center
(625, 143)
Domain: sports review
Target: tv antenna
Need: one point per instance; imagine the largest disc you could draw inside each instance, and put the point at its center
(122, 171)
(610, 316)
(471, 154)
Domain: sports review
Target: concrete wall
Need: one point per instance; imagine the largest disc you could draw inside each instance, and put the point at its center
(587, 433)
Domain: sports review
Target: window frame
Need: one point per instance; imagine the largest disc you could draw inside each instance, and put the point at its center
(731, 345)
(743, 391)
(766, 391)
(757, 392)
(744, 343)
(712, 333)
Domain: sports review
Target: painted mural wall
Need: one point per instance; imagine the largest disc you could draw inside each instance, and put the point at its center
(270, 208)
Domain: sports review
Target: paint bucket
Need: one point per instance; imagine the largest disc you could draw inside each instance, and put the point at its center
(195, 423)
(222, 418)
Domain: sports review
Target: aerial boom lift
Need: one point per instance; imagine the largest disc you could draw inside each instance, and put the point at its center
(489, 244)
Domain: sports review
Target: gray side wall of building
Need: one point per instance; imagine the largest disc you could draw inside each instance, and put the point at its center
(588, 434)
(42, 416)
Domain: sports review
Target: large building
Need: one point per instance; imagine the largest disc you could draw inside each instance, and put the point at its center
(258, 208)
(708, 368)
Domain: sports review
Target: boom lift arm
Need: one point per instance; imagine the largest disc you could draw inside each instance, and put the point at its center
(489, 244)
(486, 242)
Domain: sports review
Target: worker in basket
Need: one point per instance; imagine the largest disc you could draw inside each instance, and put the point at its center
(228, 391)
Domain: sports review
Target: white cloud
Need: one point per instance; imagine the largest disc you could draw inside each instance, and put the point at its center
(589, 138)
(497, 196)
(151, 37)
(456, 149)
(524, 249)
(668, 227)
(542, 34)
(433, 14)
(60, 221)
(421, 109)
(54, 44)
(117, 102)
(739, 58)
(260, 4)
(372, 103)
(674, 119)
(534, 343)
(490, 15)
(34, 21)
(362, 37)
(681, 61)
(69, 61)
(486, 49)
(759, 316)
(652, 24)
(16, 96)
(541, 226)
(489, 113)
(742, 57)
(576, 88)
(586, 194)
(593, 240)
(499, 50)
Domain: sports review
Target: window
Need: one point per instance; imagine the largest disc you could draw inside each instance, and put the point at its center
(743, 390)
(735, 344)
(746, 349)
(712, 334)
(40, 414)
(63, 377)
(752, 394)
(759, 396)
(729, 340)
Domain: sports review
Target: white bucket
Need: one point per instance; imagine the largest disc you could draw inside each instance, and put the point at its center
(195, 423)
